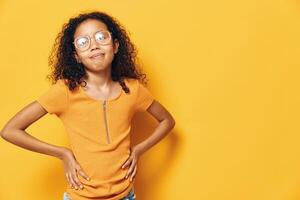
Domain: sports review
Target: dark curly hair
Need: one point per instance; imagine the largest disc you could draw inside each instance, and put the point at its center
(65, 66)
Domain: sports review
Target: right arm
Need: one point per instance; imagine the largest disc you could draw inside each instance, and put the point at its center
(14, 132)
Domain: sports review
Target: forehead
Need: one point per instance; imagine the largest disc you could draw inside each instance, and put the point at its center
(89, 27)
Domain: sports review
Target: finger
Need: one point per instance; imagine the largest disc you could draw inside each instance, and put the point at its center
(72, 181)
(69, 181)
(83, 174)
(133, 173)
(77, 181)
(126, 163)
(130, 168)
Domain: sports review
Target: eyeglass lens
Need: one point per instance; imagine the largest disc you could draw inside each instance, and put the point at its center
(102, 37)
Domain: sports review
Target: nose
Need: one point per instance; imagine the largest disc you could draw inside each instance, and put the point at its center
(94, 44)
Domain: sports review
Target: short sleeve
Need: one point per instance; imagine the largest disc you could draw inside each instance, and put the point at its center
(55, 99)
(144, 98)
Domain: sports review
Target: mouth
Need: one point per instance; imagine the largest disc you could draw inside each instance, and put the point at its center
(97, 55)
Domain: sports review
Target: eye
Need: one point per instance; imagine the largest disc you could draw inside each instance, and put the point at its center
(102, 35)
(82, 42)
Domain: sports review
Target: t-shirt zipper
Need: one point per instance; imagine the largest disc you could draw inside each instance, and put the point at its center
(105, 121)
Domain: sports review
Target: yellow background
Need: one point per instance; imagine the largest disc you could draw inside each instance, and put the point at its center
(228, 71)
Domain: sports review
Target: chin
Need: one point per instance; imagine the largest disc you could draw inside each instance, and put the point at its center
(98, 67)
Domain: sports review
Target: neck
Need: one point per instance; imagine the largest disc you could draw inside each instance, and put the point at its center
(99, 80)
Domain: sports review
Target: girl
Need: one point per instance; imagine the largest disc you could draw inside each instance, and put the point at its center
(97, 89)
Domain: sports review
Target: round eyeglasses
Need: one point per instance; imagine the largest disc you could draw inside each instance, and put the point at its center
(101, 37)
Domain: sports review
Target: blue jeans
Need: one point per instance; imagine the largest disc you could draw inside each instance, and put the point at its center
(129, 196)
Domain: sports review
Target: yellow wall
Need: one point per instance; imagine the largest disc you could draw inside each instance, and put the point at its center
(227, 70)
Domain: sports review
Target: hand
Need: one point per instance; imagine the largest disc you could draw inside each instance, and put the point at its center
(71, 167)
(132, 160)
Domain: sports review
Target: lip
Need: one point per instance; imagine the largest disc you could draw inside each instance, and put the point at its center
(97, 54)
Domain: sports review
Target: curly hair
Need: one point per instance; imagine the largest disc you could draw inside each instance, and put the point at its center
(65, 66)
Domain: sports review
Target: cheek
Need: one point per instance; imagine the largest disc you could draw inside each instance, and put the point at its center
(83, 56)
(111, 53)
(109, 50)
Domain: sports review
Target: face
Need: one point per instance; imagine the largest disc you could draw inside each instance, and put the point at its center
(97, 56)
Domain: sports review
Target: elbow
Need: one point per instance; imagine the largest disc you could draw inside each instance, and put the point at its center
(172, 122)
(4, 133)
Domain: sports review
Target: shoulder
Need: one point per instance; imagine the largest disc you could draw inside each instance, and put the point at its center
(61, 84)
(58, 88)
(55, 98)
(132, 83)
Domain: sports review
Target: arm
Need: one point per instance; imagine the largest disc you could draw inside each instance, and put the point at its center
(166, 123)
(14, 131)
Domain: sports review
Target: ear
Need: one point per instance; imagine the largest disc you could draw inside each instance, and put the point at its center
(77, 57)
(116, 46)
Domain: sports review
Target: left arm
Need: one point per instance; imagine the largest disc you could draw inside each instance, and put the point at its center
(166, 123)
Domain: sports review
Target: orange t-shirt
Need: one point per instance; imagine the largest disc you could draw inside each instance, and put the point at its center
(99, 134)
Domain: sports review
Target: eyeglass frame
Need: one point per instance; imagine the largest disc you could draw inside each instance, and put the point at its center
(90, 39)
